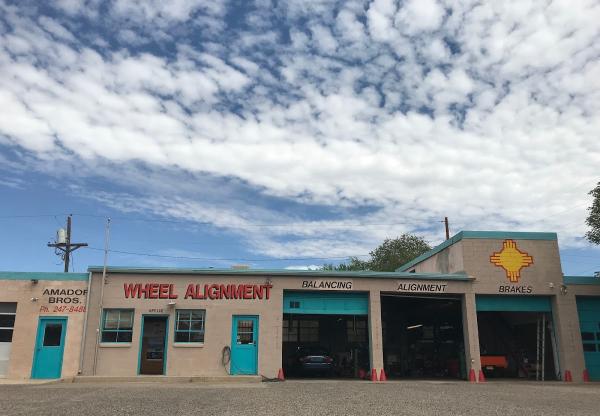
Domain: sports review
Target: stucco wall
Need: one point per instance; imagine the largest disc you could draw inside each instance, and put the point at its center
(26, 323)
(449, 260)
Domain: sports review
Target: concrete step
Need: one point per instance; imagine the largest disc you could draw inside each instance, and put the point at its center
(165, 379)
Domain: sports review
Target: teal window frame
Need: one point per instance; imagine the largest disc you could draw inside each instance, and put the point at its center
(185, 327)
(124, 335)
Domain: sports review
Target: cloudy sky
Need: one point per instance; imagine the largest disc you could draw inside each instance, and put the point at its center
(293, 133)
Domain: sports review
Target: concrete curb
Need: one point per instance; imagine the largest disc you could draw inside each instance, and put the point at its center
(165, 379)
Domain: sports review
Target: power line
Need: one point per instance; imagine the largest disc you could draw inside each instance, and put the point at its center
(225, 259)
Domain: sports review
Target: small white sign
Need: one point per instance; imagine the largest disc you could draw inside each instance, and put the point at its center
(320, 284)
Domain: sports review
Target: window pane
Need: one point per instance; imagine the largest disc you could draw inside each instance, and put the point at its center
(183, 315)
(109, 336)
(6, 335)
(126, 320)
(589, 347)
(182, 336)
(124, 336)
(8, 307)
(111, 315)
(7, 321)
(111, 324)
(197, 325)
(52, 335)
(198, 315)
(183, 325)
(196, 337)
(587, 336)
(245, 325)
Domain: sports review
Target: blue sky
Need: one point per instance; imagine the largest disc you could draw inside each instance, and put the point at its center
(224, 132)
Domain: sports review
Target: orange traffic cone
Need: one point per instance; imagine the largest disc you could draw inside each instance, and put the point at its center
(568, 376)
(382, 376)
(586, 375)
(472, 378)
(373, 375)
(481, 376)
(280, 376)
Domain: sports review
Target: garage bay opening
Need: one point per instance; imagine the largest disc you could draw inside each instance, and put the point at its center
(422, 336)
(516, 337)
(325, 334)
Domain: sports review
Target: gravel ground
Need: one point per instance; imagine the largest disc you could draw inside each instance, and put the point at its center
(312, 397)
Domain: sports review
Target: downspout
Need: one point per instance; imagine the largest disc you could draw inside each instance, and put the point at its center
(103, 283)
(85, 320)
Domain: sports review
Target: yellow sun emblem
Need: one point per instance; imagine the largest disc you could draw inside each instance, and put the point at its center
(511, 259)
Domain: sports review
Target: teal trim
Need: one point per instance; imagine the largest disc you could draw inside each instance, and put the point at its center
(581, 280)
(492, 303)
(488, 235)
(166, 343)
(284, 273)
(244, 357)
(325, 303)
(42, 276)
(48, 360)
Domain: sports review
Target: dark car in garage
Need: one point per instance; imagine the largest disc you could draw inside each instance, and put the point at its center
(313, 360)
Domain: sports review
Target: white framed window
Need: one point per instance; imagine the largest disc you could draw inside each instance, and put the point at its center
(117, 325)
(189, 325)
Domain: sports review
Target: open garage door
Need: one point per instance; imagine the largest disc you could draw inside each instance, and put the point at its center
(422, 336)
(516, 337)
(325, 334)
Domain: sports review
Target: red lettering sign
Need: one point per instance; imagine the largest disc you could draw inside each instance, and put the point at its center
(212, 291)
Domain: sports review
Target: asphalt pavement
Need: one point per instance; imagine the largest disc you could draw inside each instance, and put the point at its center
(297, 398)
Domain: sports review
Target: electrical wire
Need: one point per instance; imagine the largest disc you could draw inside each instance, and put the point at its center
(224, 259)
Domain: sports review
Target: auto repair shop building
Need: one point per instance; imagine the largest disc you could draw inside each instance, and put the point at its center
(495, 303)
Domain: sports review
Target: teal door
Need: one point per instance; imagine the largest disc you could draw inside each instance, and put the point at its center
(244, 345)
(589, 322)
(49, 348)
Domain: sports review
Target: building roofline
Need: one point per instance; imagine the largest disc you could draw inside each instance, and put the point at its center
(581, 280)
(489, 235)
(42, 276)
(281, 273)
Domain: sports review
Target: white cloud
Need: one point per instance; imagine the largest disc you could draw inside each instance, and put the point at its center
(488, 114)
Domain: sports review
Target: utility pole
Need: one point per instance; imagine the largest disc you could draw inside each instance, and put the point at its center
(66, 247)
(447, 228)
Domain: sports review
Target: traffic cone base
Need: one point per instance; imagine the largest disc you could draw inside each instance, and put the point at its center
(568, 376)
(373, 375)
(280, 376)
(472, 378)
(382, 376)
(481, 376)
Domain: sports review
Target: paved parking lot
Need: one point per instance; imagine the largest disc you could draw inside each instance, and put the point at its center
(297, 398)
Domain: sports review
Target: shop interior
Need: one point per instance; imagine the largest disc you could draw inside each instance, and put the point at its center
(422, 336)
(517, 345)
(332, 346)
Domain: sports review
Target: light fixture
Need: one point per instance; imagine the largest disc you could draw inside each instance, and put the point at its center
(34, 281)
(563, 289)
(34, 299)
(551, 285)
(414, 326)
(172, 303)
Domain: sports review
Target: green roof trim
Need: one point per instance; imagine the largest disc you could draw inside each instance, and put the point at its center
(581, 280)
(42, 276)
(488, 235)
(282, 273)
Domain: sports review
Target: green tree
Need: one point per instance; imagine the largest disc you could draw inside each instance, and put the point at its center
(390, 255)
(593, 219)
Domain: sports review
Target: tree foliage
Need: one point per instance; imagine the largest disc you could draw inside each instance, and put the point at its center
(390, 255)
(593, 219)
